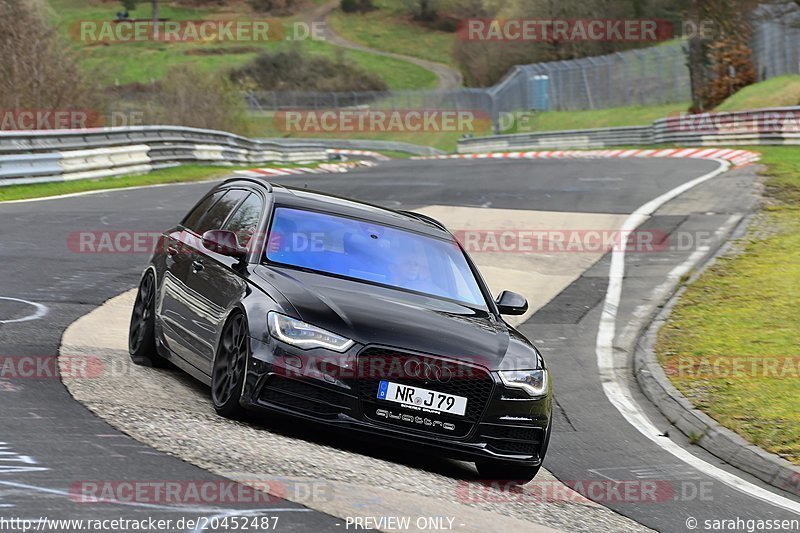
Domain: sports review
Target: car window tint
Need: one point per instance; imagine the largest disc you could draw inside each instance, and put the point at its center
(245, 220)
(216, 216)
(367, 251)
(194, 216)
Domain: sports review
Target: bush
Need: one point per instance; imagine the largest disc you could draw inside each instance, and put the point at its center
(357, 6)
(484, 63)
(38, 69)
(188, 97)
(726, 54)
(349, 6)
(289, 70)
(278, 7)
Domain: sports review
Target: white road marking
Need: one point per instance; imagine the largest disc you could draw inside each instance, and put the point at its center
(40, 311)
(617, 391)
(7, 455)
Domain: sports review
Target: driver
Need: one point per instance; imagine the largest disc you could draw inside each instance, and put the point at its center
(407, 274)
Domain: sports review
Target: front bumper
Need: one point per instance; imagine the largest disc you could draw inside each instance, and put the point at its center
(504, 425)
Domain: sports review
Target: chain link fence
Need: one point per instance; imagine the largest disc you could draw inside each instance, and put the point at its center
(643, 77)
(776, 40)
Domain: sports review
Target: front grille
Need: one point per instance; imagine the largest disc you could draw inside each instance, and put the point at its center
(513, 439)
(469, 381)
(299, 395)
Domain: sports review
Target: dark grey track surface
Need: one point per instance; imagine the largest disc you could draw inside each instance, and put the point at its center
(592, 440)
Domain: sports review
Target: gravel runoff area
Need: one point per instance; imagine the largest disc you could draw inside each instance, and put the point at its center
(173, 413)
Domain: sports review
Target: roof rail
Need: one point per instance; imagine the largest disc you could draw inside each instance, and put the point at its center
(425, 218)
(260, 181)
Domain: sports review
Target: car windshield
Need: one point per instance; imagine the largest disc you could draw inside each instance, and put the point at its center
(371, 252)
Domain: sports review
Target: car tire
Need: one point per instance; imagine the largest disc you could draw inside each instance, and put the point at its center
(497, 471)
(142, 330)
(230, 362)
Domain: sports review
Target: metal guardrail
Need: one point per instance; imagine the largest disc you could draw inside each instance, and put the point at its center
(775, 125)
(772, 126)
(43, 156)
(14, 167)
(591, 138)
(40, 156)
(364, 144)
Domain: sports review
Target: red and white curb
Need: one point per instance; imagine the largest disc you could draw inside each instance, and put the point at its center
(363, 153)
(736, 157)
(324, 168)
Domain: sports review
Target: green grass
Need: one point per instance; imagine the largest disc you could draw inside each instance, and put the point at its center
(396, 155)
(143, 62)
(745, 305)
(390, 29)
(146, 62)
(595, 118)
(167, 175)
(775, 92)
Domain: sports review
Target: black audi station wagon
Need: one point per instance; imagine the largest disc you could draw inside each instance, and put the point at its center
(346, 314)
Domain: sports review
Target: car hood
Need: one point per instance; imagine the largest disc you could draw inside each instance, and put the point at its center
(371, 314)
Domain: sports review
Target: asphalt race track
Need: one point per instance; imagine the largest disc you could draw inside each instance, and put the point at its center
(49, 442)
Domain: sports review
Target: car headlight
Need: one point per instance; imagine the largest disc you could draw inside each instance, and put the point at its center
(534, 382)
(298, 333)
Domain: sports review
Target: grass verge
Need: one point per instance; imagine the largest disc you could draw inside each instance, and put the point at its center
(743, 311)
(774, 92)
(142, 62)
(595, 118)
(167, 175)
(390, 29)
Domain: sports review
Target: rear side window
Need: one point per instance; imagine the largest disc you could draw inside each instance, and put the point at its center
(244, 221)
(194, 216)
(216, 216)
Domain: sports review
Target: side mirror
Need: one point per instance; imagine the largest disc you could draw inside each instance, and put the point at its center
(224, 243)
(511, 303)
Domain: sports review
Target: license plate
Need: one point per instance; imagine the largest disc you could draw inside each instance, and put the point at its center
(420, 398)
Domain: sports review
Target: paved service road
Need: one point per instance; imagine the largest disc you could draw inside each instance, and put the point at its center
(49, 444)
(59, 443)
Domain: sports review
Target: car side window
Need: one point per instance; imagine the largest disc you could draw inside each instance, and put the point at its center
(244, 221)
(216, 216)
(191, 220)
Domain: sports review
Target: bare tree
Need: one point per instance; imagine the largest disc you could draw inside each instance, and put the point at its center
(37, 69)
